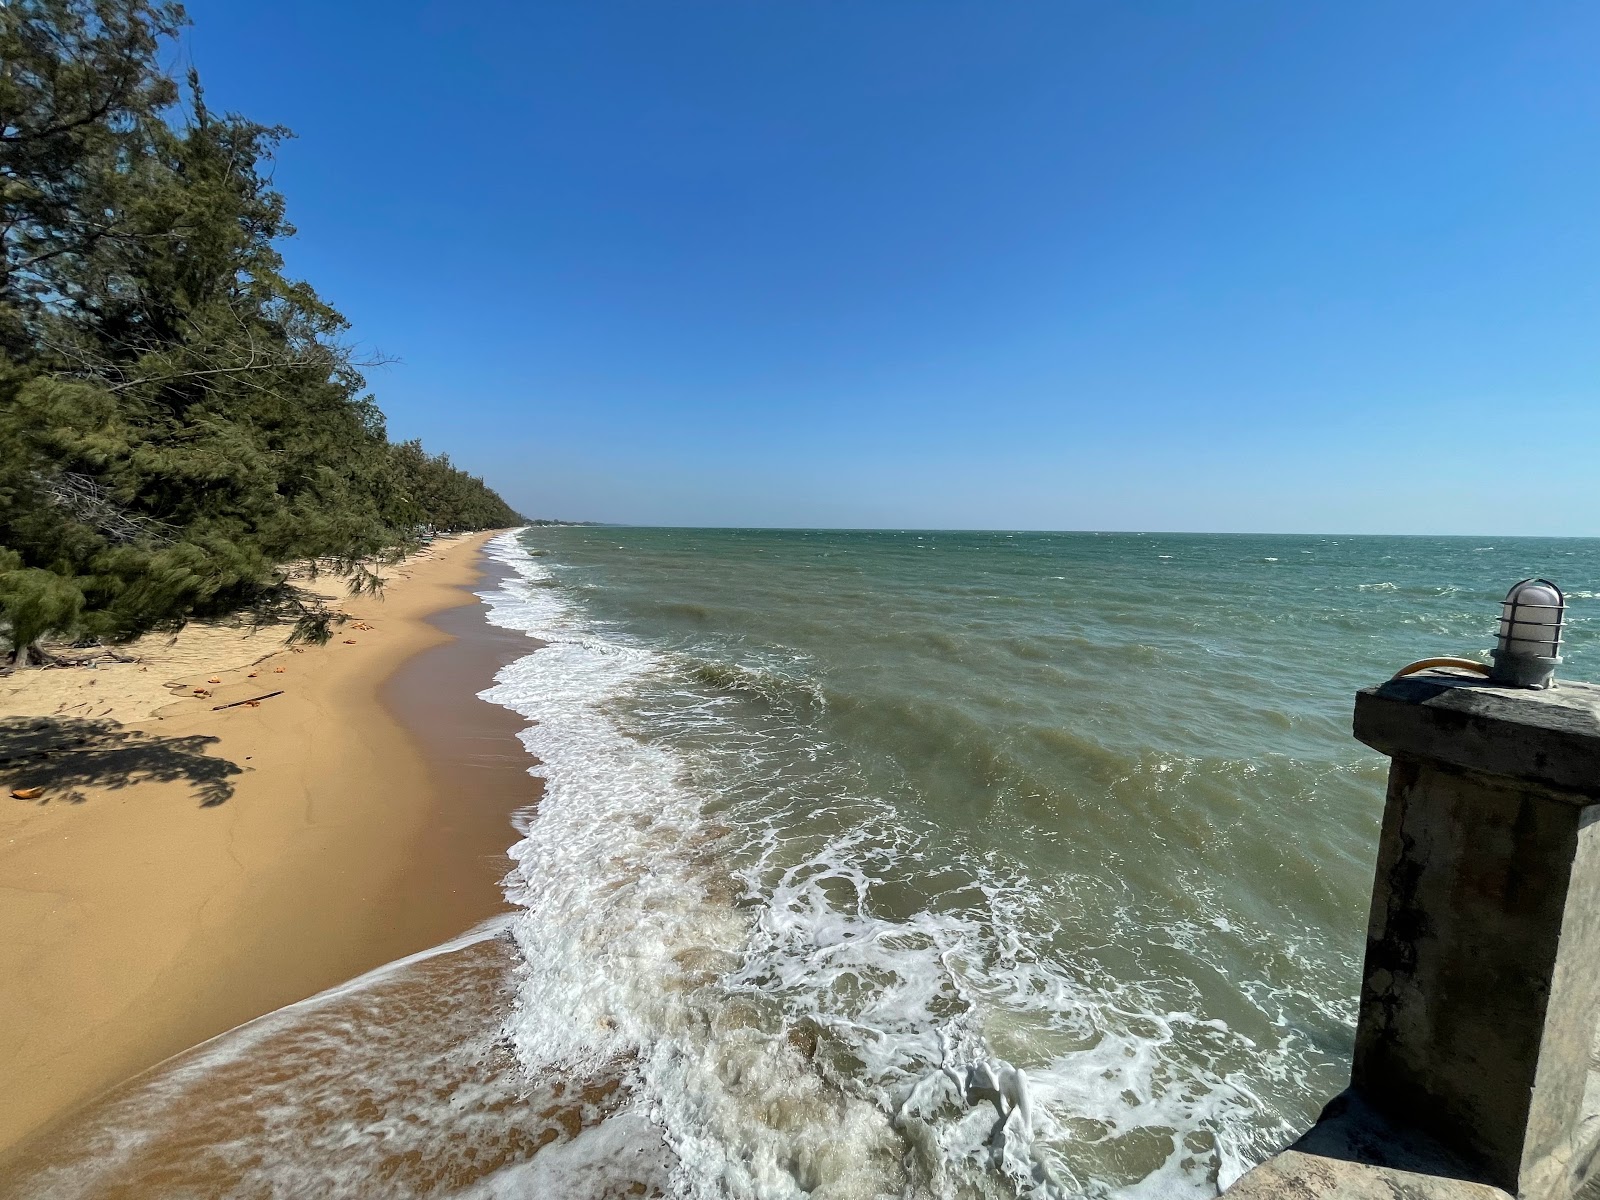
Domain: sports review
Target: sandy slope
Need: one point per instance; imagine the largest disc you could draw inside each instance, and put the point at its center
(187, 869)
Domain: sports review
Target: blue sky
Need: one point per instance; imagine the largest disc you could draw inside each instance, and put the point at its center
(1220, 265)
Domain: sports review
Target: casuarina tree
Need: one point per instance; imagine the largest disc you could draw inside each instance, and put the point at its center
(178, 417)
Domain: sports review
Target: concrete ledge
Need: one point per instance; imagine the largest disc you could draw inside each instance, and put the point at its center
(1355, 1154)
(1549, 737)
(1298, 1175)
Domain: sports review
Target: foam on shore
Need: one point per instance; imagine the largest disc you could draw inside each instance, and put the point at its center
(792, 1015)
(397, 1083)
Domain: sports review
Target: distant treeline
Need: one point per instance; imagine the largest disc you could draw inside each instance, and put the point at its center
(177, 417)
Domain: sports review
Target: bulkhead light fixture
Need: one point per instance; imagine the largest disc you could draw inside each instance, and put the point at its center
(1529, 646)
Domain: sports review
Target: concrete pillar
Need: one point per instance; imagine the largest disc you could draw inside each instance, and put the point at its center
(1481, 985)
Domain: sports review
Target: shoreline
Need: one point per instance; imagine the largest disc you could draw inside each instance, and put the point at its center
(477, 766)
(188, 870)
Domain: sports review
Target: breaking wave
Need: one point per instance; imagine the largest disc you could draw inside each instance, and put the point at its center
(813, 991)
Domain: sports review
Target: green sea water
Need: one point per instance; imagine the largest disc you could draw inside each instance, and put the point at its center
(906, 803)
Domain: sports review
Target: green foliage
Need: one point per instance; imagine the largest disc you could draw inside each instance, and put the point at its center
(38, 600)
(177, 417)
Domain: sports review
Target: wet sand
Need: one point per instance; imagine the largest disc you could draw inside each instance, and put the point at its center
(478, 768)
(188, 870)
(400, 1083)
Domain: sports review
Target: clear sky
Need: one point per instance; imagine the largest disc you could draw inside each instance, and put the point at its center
(1220, 265)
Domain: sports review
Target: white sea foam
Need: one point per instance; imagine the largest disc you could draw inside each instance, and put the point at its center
(786, 1034)
(584, 1168)
(626, 919)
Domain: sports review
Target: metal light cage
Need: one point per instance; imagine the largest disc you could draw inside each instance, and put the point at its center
(1520, 659)
(1544, 616)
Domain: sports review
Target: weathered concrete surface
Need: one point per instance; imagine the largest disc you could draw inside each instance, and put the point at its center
(1481, 985)
(1549, 737)
(1354, 1153)
(1297, 1175)
(1589, 1131)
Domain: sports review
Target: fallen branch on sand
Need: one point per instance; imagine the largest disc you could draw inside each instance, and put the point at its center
(252, 700)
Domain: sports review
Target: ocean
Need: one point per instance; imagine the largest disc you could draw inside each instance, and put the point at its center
(880, 864)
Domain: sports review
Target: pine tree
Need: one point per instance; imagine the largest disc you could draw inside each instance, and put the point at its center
(177, 417)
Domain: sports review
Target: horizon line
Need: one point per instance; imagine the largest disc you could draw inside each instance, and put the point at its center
(551, 522)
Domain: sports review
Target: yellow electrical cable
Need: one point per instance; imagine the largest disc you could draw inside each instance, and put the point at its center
(1464, 664)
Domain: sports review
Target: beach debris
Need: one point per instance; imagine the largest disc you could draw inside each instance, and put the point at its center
(349, 641)
(27, 793)
(277, 670)
(213, 681)
(252, 675)
(202, 692)
(253, 702)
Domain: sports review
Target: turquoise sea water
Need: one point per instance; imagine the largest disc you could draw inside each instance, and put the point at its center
(896, 808)
(871, 865)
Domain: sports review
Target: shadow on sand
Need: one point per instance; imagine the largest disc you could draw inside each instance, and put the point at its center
(64, 754)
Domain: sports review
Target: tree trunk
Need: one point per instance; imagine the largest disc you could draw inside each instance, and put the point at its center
(31, 655)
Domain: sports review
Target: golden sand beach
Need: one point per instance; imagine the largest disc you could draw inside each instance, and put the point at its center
(184, 869)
